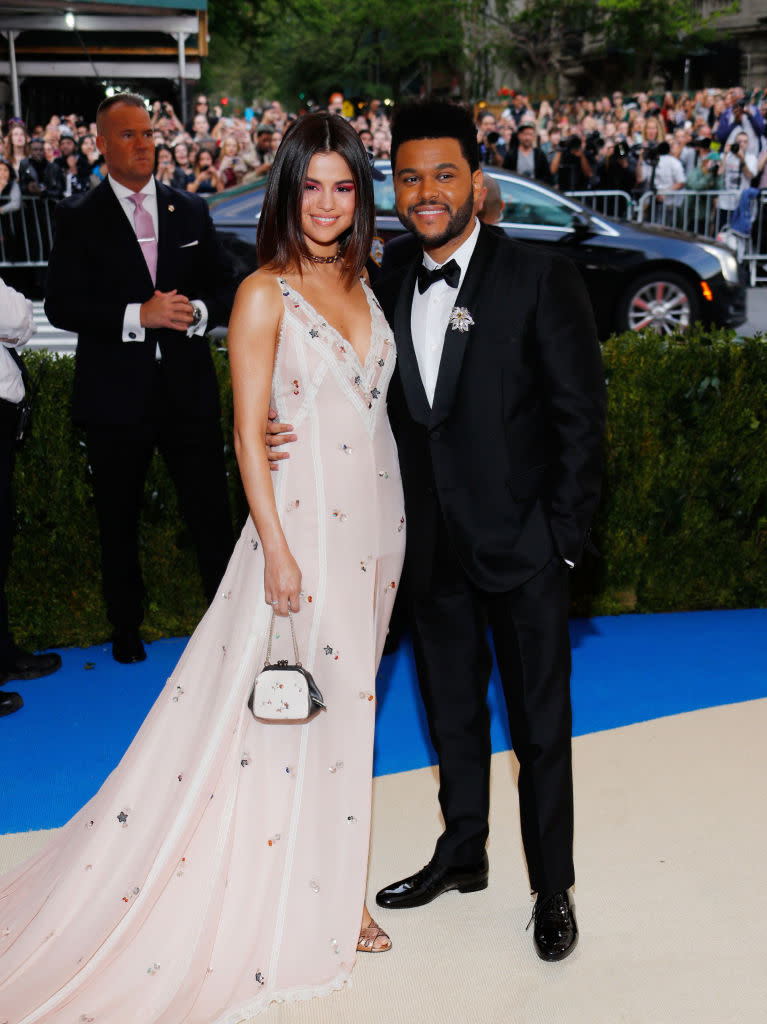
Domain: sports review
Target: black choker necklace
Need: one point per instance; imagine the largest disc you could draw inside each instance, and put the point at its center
(325, 259)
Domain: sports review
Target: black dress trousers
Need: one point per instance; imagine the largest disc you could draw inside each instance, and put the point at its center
(530, 633)
(119, 456)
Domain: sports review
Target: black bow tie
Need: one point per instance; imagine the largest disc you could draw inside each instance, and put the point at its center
(449, 272)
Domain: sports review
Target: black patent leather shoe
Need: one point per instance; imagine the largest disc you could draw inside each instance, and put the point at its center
(10, 702)
(23, 665)
(428, 883)
(555, 932)
(127, 647)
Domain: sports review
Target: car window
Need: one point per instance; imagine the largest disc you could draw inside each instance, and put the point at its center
(525, 205)
(384, 197)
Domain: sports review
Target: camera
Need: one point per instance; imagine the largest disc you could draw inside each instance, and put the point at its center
(621, 150)
(735, 148)
(594, 143)
(492, 137)
(700, 143)
(570, 145)
(653, 151)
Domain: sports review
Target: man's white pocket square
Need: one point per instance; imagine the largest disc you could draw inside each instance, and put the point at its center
(188, 245)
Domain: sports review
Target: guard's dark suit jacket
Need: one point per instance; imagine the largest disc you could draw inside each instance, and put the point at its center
(510, 453)
(97, 268)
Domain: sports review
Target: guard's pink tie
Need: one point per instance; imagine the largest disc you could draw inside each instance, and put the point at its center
(147, 239)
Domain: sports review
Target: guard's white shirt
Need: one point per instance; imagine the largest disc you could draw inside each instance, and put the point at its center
(430, 314)
(17, 325)
(132, 329)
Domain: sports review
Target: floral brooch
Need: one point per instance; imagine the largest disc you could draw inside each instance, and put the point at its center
(460, 319)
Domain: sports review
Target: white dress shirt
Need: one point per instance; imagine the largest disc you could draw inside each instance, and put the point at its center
(132, 329)
(17, 325)
(430, 314)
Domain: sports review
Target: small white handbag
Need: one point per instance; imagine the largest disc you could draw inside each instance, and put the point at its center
(284, 692)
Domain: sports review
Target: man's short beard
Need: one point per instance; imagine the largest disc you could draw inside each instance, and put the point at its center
(455, 226)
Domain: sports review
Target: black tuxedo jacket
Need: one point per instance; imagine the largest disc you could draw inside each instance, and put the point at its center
(97, 267)
(509, 455)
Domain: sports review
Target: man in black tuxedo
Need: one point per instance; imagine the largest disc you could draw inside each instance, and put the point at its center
(497, 406)
(136, 270)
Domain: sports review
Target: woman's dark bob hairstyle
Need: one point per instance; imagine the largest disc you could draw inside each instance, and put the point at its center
(281, 243)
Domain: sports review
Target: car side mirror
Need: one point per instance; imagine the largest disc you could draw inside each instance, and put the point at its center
(581, 223)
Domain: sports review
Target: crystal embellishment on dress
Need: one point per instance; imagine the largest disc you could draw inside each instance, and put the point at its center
(314, 333)
(339, 515)
(122, 817)
(85, 1019)
(177, 695)
(259, 977)
(338, 766)
(153, 969)
(293, 505)
(254, 545)
(375, 393)
(335, 947)
(345, 448)
(314, 885)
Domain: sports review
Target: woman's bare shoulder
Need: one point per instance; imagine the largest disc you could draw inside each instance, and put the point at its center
(262, 289)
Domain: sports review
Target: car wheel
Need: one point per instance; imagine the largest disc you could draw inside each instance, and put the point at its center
(660, 300)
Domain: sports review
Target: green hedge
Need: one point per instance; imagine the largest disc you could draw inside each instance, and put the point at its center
(682, 523)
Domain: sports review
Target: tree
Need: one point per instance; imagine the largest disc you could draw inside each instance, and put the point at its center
(539, 39)
(307, 48)
(655, 31)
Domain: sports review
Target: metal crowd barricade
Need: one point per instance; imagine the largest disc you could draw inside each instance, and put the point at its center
(26, 235)
(608, 202)
(757, 258)
(687, 210)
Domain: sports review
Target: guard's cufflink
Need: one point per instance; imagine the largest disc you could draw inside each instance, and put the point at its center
(132, 335)
(196, 316)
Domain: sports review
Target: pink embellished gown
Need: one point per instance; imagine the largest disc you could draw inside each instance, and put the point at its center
(222, 865)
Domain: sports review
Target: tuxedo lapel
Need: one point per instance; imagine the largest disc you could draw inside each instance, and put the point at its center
(456, 342)
(167, 231)
(407, 363)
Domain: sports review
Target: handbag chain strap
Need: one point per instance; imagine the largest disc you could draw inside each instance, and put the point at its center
(269, 641)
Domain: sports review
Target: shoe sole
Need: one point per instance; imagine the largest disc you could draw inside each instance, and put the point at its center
(30, 673)
(464, 887)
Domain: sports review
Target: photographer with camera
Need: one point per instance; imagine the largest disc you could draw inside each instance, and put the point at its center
(741, 117)
(570, 165)
(740, 166)
(492, 148)
(615, 170)
(527, 159)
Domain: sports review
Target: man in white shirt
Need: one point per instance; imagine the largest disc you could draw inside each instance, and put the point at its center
(740, 166)
(136, 270)
(16, 327)
(491, 332)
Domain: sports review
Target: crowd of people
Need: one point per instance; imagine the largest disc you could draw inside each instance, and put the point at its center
(714, 139)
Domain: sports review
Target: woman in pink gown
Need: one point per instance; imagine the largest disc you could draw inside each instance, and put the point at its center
(222, 865)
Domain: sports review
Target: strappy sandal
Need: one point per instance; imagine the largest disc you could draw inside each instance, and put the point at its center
(368, 938)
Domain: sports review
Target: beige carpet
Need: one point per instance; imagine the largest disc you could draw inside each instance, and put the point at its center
(670, 846)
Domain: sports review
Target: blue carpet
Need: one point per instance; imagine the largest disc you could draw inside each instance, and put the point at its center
(76, 724)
